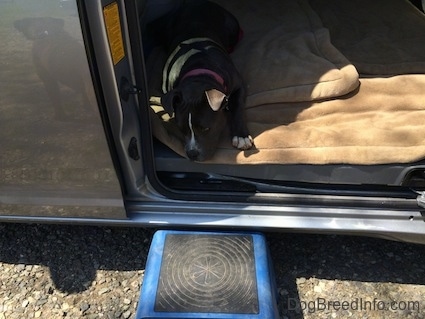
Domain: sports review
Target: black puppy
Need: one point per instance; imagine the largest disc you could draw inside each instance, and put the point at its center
(201, 85)
(58, 58)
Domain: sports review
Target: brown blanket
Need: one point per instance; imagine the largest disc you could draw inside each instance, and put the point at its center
(382, 121)
(384, 36)
(286, 55)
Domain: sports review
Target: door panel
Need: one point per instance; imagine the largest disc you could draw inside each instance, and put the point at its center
(112, 53)
(54, 158)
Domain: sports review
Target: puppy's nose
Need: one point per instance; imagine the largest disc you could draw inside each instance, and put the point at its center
(193, 154)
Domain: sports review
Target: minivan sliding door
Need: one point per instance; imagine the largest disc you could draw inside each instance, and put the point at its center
(55, 163)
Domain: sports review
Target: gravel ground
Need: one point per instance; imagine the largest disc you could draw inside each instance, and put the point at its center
(50, 271)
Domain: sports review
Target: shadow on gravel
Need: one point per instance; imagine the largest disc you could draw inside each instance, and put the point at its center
(341, 258)
(75, 253)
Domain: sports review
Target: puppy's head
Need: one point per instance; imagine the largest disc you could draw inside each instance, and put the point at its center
(200, 115)
(38, 28)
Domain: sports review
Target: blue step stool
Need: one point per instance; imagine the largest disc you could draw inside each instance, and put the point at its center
(208, 275)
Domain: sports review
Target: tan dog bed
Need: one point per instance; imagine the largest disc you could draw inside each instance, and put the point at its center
(305, 104)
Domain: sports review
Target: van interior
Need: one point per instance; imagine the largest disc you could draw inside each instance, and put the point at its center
(336, 96)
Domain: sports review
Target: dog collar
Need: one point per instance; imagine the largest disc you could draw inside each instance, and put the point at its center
(180, 55)
(215, 75)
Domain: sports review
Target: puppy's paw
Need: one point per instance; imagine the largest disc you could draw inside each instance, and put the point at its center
(242, 143)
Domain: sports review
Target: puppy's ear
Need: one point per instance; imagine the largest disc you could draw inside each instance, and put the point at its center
(215, 98)
(171, 100)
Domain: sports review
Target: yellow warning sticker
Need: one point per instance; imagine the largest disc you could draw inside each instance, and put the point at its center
(113, 29)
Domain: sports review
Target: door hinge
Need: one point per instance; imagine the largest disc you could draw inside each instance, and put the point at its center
(126, 88)
(133, 150)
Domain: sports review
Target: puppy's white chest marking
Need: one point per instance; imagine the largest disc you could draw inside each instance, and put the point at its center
(192, 142)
